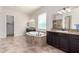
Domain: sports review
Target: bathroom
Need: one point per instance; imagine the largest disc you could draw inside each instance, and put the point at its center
(39, 29)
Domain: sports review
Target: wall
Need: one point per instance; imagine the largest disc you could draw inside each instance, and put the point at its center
(75, 18)
(50, 10)
(20, 21)
(2, 24)
(36, 13)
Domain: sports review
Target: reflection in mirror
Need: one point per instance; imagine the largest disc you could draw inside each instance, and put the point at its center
(57, 21)
(67, 22)
(57, 24)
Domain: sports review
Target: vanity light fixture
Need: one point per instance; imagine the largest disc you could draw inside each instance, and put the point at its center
(64, 10)
(59, 12)
(68, 9)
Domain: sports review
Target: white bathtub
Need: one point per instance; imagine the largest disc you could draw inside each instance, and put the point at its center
(37, 34)
(36, 38)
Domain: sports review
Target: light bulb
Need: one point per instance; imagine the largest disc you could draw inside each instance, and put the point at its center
(59, 12)
(68, 9)
(63, 11)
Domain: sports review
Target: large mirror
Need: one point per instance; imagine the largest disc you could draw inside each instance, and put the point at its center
(67, 20)
(58, 21)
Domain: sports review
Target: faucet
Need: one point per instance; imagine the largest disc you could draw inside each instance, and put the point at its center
(38, 33)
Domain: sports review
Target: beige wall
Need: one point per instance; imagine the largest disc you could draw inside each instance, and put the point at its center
(20, 21)
(75, 17)
(50, 10)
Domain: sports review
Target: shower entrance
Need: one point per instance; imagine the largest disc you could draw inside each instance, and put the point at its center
(9, 25)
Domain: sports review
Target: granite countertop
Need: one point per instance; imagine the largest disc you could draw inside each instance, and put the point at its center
(66, 32)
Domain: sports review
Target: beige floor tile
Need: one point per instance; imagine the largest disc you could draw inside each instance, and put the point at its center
(20, 45)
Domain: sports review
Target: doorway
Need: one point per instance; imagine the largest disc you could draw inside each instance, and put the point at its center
(10, 25)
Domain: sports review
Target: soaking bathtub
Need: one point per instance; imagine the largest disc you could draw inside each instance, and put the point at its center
(36, 38)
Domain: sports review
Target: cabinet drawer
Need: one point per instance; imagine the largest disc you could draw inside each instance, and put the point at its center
(74, 36)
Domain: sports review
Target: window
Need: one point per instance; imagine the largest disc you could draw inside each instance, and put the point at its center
(42, 21)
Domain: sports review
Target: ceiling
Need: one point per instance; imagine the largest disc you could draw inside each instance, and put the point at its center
(24, 9)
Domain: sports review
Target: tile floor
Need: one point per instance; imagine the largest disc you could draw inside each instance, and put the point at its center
(20, 45)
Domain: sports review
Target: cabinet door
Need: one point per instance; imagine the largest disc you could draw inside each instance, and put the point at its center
(64, 42)
(74, 44)
(56, 39)
(50, 38)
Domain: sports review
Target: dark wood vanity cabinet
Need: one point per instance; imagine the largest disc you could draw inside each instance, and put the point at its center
(65, 42)
(51, 40)
(74, 43)
(58, 40)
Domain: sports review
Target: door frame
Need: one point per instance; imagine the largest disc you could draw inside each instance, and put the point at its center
(6, 25)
